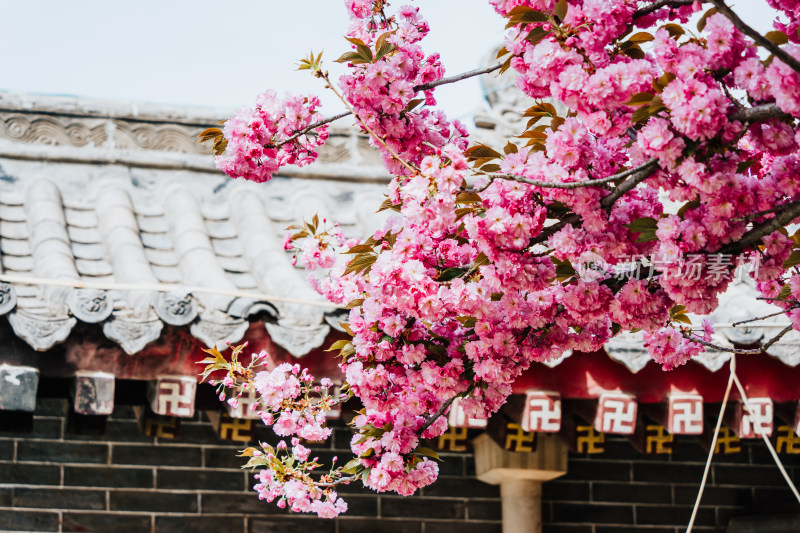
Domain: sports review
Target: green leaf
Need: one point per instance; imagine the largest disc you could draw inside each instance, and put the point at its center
(560, 10)
(641, 114)
(352, 466)
(480, 151)
(786, 290)
(682, 318)
(744, 165)
(536, 35)
(452, 273)
(640, 99)
(643, 224)
(641, 37)
(702, 22)
(646, 228)
(338, 345)
(777, 37)
(792, 260)
(467, 197)
(354, 303)
(413, 103)
(385, 49)
(694, 204)
(422, 450)
(348, 57)
(359, 248)
(675, 30)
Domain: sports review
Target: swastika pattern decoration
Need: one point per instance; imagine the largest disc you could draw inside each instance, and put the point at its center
(542, 412)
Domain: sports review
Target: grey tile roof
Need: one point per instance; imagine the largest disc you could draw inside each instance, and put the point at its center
(127, 224)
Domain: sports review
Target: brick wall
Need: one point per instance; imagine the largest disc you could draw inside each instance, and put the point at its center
(56, 475)
(623, 491)
(53, 478)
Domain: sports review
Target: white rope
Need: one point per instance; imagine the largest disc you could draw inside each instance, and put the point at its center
(713, 446)
(734, 378)
(757, 430)
(156, 287)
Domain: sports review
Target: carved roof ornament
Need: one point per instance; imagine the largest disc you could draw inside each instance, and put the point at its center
(90, 305)
(8, 298)
(176, 308)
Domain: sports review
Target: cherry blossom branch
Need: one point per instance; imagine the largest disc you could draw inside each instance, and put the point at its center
(769, 211)
(755, 234)
(417, 88)
(637, 175)
(758, 113)
(773, 48)
(324, 76)
(655, 6)
(765, 316)
(309, 128)
(738, 351)
(458, 77)
(433, 418)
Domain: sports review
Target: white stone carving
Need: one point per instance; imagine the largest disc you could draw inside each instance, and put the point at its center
(298, 340)
(133, 333)
(90, 305)
(42, 332)
(8, 298)
(176, 308)
(215, 329)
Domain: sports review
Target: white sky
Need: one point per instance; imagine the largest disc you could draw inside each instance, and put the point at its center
(222, 53)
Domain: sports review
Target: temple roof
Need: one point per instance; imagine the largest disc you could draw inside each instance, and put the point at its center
(113, 214)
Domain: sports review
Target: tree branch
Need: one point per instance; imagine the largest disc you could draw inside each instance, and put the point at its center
(430, 420)
(776, 50)
(458, 77)
(755, 234)
(782, 311)
(309, 128)
(637, 175)
(758, 113)
(776, 338)
(417, 88)
(655, 6)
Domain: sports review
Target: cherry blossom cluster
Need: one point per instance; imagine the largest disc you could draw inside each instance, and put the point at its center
(685, 147)
(268, 136)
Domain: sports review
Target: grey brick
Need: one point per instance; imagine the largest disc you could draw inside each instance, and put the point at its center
(108, 477)
(156, 455)
(105, 523)
(152, 501)
(61, 452)
(60, 499)
(28, 521)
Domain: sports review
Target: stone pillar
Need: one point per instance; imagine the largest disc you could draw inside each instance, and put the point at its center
(520, 476)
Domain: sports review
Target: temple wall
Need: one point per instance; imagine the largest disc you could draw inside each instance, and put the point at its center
(62, 472)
